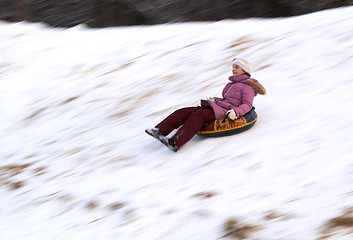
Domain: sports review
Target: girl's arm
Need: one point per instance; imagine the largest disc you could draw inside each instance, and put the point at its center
(248, 97)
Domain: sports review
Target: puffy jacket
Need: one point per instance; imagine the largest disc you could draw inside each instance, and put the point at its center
(236, 95)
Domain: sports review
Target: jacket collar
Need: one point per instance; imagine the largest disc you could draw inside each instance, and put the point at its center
(241, 78)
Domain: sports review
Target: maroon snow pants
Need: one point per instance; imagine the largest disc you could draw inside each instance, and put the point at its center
(190, 120)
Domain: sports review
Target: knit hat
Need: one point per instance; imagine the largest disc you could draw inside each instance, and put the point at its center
(243, 64)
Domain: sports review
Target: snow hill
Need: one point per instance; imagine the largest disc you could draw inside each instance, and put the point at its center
(75, 162)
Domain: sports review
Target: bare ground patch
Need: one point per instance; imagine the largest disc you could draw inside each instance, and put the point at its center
(7, 173)
(341, 225)
(236, 229)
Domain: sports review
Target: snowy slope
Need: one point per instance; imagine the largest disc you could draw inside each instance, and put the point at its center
(76, 163)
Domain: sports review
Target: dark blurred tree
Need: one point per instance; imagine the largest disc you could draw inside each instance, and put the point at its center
(6, 10)
(104, 13)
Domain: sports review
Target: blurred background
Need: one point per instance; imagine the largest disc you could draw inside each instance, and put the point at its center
(105, 13)
(75, 162)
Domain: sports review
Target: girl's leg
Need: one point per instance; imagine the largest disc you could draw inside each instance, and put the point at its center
(192, 125)
(175, 120)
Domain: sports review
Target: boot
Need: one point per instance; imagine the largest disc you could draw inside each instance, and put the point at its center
(169, 143)
(154, 132)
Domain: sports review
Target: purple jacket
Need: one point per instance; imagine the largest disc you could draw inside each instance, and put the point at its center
(236, 95)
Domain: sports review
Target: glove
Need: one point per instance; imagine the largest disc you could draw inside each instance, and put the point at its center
(231, 114)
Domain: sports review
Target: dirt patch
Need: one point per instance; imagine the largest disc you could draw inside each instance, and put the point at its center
(236, 229)
(69, 100)
(204, 195)
(342, 225)
(7, 172)
(242, 43)
(35, 113)
(116, 206)
(125, 65)
(277, 216)
(11, 170)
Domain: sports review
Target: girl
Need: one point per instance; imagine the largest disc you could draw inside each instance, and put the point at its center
(237, 99)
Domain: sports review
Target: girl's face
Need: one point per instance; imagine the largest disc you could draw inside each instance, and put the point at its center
(237, 71)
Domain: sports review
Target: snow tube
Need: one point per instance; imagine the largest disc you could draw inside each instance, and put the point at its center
(227, 127)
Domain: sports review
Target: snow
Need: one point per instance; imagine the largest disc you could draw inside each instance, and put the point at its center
(76, 163)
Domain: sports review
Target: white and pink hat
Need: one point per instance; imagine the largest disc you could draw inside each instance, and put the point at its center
(244, 64)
